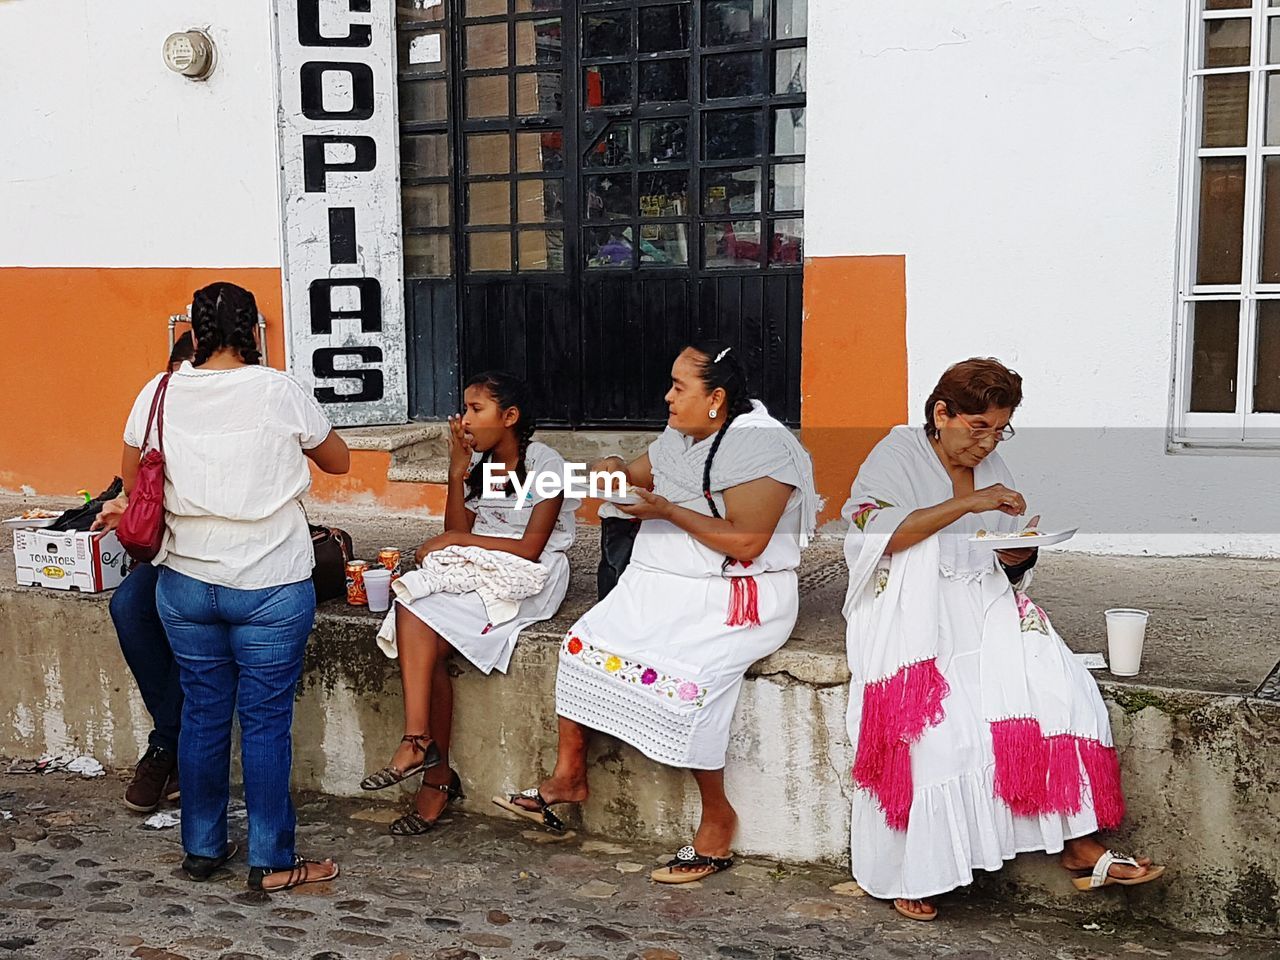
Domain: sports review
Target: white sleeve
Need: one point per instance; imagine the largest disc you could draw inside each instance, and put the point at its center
(135, 426)
(305, 415)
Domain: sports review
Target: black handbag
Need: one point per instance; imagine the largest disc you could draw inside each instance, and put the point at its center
(617, 537)
(333, 550)
(80, 519)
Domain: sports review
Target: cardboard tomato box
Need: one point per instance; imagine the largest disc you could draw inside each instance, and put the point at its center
(88, 562)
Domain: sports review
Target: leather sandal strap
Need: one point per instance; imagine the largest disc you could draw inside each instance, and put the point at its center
(1102, 869)
(689, 859)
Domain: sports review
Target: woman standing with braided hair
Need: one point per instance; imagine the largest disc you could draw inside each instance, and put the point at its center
(710, 589)
(234, 588)
(496, 428)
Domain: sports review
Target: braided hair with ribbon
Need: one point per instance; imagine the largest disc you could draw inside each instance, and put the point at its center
(224, 317)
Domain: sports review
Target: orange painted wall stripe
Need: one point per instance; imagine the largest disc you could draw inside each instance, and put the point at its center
(76, 346)
(854, 364)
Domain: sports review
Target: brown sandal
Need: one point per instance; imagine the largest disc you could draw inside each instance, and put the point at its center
(294, 876)
(414, 824)
(389, 776)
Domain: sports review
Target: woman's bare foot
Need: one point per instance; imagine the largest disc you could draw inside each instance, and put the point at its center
(713, 839)
(1084, 852)
(429, 802)
(410, 753)
(916, 909)
(556, 790)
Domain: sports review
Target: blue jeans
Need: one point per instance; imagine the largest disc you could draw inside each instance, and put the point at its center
(238, 650)
(146, 650)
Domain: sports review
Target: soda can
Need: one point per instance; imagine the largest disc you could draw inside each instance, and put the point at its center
(356, 595)
(389, 557)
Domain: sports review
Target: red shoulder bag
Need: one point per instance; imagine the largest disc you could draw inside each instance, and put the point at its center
(141, 528)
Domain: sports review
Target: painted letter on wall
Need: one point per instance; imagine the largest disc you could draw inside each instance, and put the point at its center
(340, 206)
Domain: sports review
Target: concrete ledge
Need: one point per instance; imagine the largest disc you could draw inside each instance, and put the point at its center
(393, 438)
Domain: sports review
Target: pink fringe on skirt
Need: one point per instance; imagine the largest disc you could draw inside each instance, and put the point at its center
(896, 711)
(744, 603)
(1038, 775)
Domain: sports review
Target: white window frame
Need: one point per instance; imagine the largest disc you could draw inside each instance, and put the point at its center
(1241, 428)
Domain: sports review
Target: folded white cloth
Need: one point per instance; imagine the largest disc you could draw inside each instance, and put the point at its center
(501, 579)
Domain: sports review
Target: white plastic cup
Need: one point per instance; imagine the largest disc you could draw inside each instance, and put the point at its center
(1126, 629)
(377, 584)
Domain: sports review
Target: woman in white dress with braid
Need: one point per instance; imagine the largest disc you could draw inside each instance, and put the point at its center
(710, 589)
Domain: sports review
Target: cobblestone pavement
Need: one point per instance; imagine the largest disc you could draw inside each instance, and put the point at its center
(80, 877)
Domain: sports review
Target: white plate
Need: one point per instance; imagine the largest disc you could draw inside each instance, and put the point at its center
(17, 523)
(1015, 542)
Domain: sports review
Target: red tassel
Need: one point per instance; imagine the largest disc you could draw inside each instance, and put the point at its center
(1102, 765)
(1022, 764)
(744, 603)
(895, 713)
(1063, 791)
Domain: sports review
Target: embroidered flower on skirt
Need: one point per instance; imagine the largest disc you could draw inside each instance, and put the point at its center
(1034, 619)
(882, 580)
(629, 671)
(862, 516)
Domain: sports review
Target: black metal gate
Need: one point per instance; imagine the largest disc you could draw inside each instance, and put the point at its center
(626, 176)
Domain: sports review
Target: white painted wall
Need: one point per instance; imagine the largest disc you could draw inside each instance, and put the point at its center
(109, 159)
(1025, 158)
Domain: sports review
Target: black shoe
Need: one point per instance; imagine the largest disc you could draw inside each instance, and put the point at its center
(202, 868)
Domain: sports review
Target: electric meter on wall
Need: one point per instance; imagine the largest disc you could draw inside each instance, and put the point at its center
(189, 53)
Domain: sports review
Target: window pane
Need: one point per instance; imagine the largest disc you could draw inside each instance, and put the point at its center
(726, 245)
(487, 46)
(486, 8)
(731, 133)
(608, 85)
(536, 152)
(421, 51)
(486, 97)
(412, 11)
(1230, 4)
(664, 244)
(607, 246)
(536, 6)
(541, 249)
(1215, 340)
(423, 100)
(789, 70)
(664, 80)
(786, 244)
(733, 75)
(664, 194)
(489, 203)
(488, 153)
(538, 201)
(1221, 220)
(612, 148)
(606, 34)
(538, 41)
(788, 130)
(1273, 40)
(1269, 268)
(731, 190)
(732, 21)
(1266, 376)
(424, 155)
(664, 141)
(664, 28)
(489, 251)
(1226, 42)
(425, 205)
(786, 191)
(1272, 134)
(792, 19)
(1225, 101)
(608, 196)
(538, 93)
(426, 255)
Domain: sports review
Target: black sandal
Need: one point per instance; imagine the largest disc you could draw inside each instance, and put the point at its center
(543, 816)
(414, 824)
(687, 860)
(297, 875)
(389, 776)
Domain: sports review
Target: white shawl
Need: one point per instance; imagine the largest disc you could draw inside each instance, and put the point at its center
(755, 445)
(892, 609)
(501, 579)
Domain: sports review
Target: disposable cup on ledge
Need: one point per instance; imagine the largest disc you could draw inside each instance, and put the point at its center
(377, 583)
(1126, 629)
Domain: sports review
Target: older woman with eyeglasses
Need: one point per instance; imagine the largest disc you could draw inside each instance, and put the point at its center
(978, 735)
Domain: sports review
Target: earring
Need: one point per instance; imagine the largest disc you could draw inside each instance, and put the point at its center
(712, 413)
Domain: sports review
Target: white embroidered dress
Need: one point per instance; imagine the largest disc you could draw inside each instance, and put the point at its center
(993, 647)
(461, 618)
(655, 663)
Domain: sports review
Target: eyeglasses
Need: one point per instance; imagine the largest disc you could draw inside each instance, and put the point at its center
(983, 433)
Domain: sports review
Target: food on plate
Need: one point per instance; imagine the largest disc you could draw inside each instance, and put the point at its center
(38, 515)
